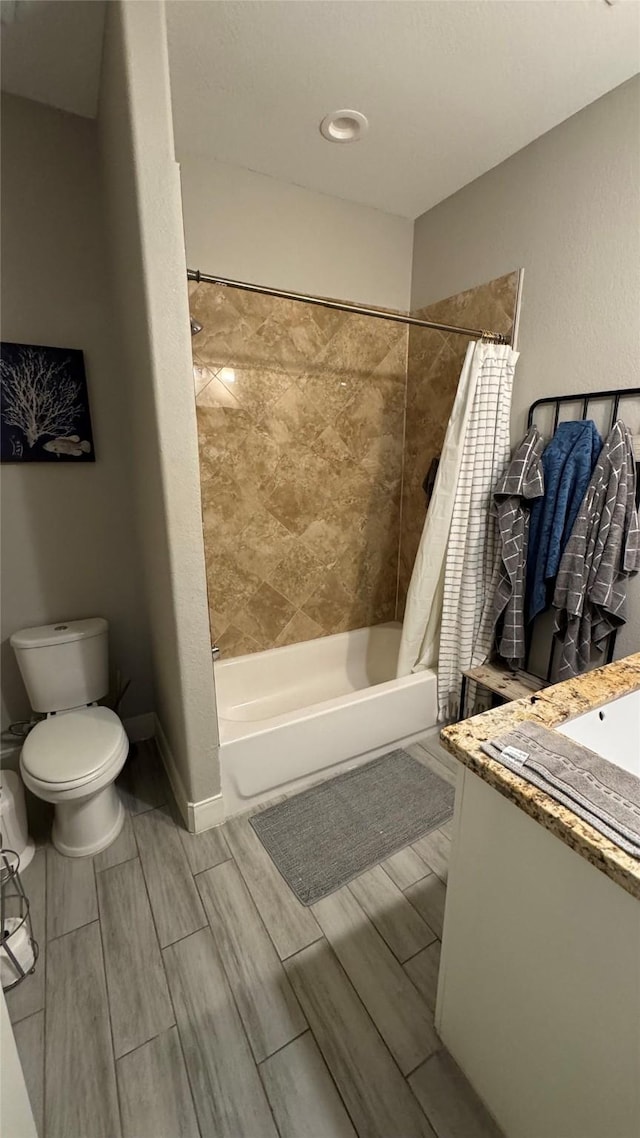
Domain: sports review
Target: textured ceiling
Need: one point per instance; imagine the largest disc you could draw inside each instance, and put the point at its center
(451, 88)
(51, 52)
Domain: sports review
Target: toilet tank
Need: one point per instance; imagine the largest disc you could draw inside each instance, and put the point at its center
(63, 665)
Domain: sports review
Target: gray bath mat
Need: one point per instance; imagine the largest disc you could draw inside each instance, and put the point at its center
(327, 835)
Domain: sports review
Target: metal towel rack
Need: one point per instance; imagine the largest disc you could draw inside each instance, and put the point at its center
(496, 676)
(616, 397)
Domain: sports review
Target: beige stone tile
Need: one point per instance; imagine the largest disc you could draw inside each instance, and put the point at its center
(360, 615)
(347, 361)
(366, 420)
(371, 584)
(228, 326)
(475, 306)
(254, 464)
(393, 366)
(433, 390)
(254, 307)
(233, 642)
(202, 376)
(210, 392)
(327, 538)
(227, 507)
(351, 570)
(300, 493)
(297, 574)
(423, 346)
(330, 604)
(216, 350)
(294, 419)
(384, 451)
(301, 457)
(262, 543)
(265, 615)
(280, 343)
(330, 447)
(311, 336)
(329, 321)
(221, 430)
(299, 629)
(301, 419)
(255, 389)
(230, 585)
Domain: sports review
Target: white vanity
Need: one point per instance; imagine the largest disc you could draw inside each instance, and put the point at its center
(16, 1115)
(539, 989)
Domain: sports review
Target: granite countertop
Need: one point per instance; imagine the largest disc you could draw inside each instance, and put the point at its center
(551, 707)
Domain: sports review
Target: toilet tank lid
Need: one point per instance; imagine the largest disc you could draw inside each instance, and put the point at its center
(63, 632)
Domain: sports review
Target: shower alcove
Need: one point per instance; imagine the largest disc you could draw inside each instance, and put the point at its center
(316, 428)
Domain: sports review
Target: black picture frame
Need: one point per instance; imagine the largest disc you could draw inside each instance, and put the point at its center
(44, 405)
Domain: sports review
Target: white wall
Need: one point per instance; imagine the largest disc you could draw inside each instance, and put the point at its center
(68, 538)
(142, 195)
(567, 208)
(254, 228)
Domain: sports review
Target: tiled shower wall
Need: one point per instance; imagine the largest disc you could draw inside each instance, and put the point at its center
(433, 369)
(301, 421)
(300, 418)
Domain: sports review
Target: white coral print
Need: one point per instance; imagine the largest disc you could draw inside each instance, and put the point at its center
(37, 395)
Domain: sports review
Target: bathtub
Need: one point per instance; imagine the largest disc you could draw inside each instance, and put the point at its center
(290, 715)
(612, 731)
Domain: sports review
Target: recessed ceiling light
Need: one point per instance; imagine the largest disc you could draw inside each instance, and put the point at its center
(344, 126)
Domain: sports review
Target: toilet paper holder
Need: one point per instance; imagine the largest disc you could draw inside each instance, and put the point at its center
(18, 948)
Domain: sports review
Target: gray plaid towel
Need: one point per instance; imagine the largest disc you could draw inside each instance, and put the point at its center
(603, 552)
(521, 483)
(601, 793)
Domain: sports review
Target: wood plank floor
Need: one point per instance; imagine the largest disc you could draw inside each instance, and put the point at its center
(188, 993)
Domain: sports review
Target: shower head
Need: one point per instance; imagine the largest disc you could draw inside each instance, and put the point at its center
(195, 327)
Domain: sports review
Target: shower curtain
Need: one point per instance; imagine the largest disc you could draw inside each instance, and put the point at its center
(457, 561)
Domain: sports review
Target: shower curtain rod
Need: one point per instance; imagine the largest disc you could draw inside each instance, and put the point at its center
(339, 306)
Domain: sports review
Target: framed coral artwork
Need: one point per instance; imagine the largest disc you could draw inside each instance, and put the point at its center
(44, 405)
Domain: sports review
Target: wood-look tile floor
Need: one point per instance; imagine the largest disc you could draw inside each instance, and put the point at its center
(183, 991)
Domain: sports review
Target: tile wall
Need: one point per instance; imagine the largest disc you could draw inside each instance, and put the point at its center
(309, 526)
(300, 419)
(433, 369)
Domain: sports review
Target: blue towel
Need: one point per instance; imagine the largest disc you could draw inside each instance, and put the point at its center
(568, 464)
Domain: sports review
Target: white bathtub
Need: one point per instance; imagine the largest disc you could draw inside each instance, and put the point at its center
(290, 714)
(612, 731)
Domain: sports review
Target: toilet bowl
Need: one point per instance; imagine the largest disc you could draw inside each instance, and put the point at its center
(73, 756)
(72, 760)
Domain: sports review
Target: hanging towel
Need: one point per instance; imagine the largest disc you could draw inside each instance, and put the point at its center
(605, 795)
(603, 552)
(521, 484)
(568, 464)
(472, 551)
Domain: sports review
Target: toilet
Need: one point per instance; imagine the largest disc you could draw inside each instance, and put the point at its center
(72, 757)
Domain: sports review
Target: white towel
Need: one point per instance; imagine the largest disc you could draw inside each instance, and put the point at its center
(473, 554)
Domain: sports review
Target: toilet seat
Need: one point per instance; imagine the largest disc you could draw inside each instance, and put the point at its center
(74, 749)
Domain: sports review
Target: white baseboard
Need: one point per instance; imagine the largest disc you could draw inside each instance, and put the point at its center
(179, 792)
(206, 814)
(197, 816)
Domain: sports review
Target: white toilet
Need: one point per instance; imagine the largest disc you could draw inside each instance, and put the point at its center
(72, 757)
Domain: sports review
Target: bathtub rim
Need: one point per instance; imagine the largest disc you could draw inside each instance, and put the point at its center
(316, 710)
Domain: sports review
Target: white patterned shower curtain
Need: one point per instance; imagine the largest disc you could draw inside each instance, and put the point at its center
(452, 577)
